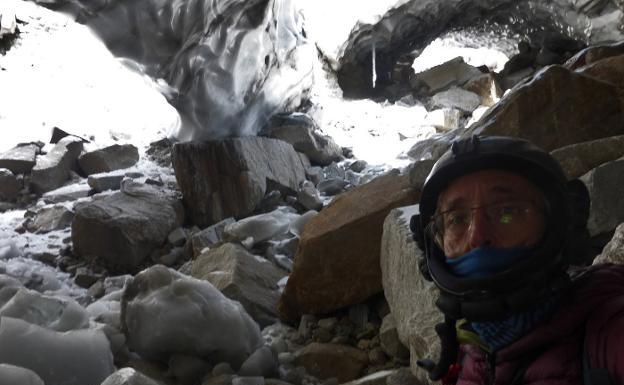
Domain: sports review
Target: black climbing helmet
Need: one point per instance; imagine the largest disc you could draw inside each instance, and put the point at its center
(530, 280)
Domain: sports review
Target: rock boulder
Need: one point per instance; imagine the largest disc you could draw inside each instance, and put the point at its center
(229, 177)
(52, 169)
(337, 262)
(109, 158)
(613, 252)
(303, 134)
(411, 298)
(578, 159)
(10, 185)
(124, 228)
(606, 191)
(556, 108)
(20, 159)
(330, 360)
(243, 277)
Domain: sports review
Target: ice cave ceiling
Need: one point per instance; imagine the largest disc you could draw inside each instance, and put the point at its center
(231, 64)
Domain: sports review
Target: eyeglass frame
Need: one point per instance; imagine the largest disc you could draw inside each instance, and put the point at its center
(438, 237)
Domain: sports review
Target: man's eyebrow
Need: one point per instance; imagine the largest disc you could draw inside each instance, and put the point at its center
(460, 201)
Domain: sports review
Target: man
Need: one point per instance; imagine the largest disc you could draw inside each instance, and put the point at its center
(498, 225)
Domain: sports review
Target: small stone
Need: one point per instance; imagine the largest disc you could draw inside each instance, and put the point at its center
(364, 344)
(332, 186)
(97, 289)
(222, 368)
(85, 278)
(309, 196)
(256, 380)
(314, 174)
(223, 379)
(358, 165)
(286, 358)
(177, 237)
(402, 376)
(279, 345)
(328, 323)
(322, 335)
(377, 357)
(105, 181)
(305, 326)
(262, 362)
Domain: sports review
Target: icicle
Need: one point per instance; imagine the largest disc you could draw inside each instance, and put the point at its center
(374, 69)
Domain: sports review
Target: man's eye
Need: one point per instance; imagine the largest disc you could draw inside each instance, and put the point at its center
(457, 218)
(507, 214)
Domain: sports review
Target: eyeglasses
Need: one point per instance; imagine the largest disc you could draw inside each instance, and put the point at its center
(504, 216)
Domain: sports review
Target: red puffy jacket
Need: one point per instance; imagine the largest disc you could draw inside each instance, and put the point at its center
(552, 354)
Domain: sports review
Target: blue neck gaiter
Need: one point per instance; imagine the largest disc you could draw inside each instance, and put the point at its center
(484, 261)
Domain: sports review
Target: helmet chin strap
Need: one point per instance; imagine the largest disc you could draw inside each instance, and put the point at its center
(449, 349)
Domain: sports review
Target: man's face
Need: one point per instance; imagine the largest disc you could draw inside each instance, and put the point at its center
(492, 208)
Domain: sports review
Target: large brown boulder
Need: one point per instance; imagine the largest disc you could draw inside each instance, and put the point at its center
(556, 108)
(228, 178)
(337, 263)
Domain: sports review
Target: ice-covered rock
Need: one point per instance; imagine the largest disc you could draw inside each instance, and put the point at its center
(165, 313)
(54, 313)
(8, 287)
(114, 157)
(67, 193)
(444, 119)
(10, 374)
(309, 196)
(76, 357)
(456, 98)
(8, 249)
(303, 133)
(106, 181)
(20, 159)
(52, 169)
(296, 227)
(262, 227)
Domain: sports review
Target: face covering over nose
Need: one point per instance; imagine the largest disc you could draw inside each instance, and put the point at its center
(484, 261)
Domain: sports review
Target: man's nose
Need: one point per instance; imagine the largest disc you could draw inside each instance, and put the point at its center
(480, 230)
